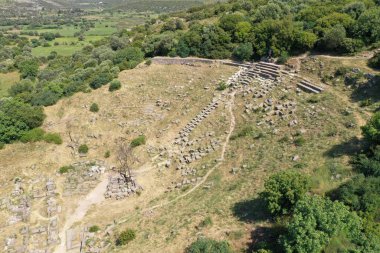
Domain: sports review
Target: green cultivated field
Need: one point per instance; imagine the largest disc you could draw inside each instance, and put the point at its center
(61, 50)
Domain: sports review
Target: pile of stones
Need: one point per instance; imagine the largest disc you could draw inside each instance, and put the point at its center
(84, 178)
(120, 186)
(196, 154)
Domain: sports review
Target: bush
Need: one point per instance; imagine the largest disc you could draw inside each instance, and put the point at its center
(125, 237)
(114, 85)
(300, 141)
(2, 145)
(283, 190)
(221, 86)
(65, 169)
(107, 154)
(374, 62)
(372, 129)
(100, 80)
(33, 135)
(141, 140)
(83, 149)
(53, 138)
(283, 58)
(148, 62)
(94, 229)
(206, 222)
(205, 245)
(94, 107)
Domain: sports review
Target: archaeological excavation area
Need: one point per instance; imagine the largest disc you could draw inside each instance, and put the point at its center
(193, 121)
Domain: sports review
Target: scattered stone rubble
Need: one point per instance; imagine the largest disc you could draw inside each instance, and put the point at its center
(84, 178)
(120, 186)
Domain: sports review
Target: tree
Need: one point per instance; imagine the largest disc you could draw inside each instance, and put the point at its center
(283, 190)
(228, 22)
(315, 221)
(242, 31)
(28, 69)
(361, 194)
(205, 245)
(243, 52)
(333, 38)
(354, 9)
(368, 25)
(369, 164)
(271, 11)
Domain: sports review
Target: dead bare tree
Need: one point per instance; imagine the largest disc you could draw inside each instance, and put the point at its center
(126, 159)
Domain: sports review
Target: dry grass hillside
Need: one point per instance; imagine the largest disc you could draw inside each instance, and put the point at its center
(215, 195)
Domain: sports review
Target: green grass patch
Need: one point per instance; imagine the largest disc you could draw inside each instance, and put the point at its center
(64, 50)
(6, 81)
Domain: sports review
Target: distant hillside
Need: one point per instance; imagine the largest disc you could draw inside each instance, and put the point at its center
(125, 5)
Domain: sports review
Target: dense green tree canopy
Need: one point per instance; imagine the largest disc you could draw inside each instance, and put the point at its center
(283, 190)
(315, 221)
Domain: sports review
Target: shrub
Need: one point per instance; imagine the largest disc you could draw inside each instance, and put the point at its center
(94, 107)
(65, 169)
(100, 80)
(33, 135)
(148, 62)
(83, 149)
(125, 237)
(372, 129)
(94, 229)
(2, 145)
(107, 154)
(300, 141)
(221, 86)
(369, 164)
(283, 58)
(206, 245)
(140, 140)
(206, 222)
(114, 85)
(374, 62)
(53, 138)
(283, 190)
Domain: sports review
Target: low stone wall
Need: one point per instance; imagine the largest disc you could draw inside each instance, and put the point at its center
(192, 60)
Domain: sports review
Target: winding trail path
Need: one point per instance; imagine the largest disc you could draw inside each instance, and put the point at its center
(93, 197)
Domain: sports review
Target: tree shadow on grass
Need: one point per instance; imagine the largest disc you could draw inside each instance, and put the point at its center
(351, 147)
(264, 237)
(252, 210)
